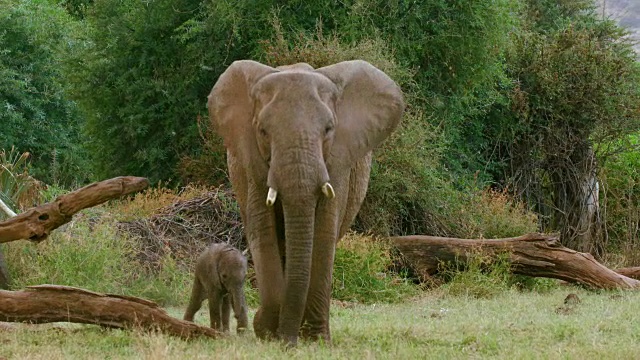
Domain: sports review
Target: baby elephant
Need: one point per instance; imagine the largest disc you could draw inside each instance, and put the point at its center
(220, 273)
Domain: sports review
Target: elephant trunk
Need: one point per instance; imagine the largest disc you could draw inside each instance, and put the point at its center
(299, 229)
(313, 175)
(299, 181)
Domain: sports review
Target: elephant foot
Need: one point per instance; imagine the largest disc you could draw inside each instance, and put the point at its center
(289, 341)
(311, 333)
(265, 324)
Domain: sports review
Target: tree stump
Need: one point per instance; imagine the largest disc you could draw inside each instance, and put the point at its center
(54, 303)
(532, 254)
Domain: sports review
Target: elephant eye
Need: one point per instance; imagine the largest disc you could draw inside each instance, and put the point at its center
(263, 132)
(328, 129)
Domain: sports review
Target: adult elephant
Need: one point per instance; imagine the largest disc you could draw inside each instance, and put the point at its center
(299, 145)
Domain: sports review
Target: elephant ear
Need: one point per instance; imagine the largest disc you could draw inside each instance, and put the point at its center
(231, 107)
(368, 109)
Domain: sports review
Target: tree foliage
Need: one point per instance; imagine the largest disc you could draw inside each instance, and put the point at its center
(35, 113)
(530, 95)
(575, 90)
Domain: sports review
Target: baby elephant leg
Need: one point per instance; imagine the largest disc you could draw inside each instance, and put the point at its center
(226, 312)
(195, 303)
(215, 309)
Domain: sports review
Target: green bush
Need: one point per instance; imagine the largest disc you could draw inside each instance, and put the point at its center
(88, 254)
(18, 189)
(36, 114)
(361, 273)
(140, 90)
(482, 277)
(621, 185)
(151, 100)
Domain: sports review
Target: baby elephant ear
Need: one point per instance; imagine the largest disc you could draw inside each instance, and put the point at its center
(231, 107)
(369, 108)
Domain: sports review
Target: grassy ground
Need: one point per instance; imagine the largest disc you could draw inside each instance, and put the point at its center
(511, 325)
(377, 314)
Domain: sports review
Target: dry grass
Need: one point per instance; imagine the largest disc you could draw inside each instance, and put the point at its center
(492, 214)
(182, 228)
(512, 325)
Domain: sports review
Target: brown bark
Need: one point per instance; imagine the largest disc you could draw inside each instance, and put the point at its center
(54, 303)
(632, 272)
(532, 254)
(37, 223)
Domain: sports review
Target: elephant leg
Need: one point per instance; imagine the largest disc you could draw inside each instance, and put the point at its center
(316, 317)
(358, 183)
(215, 309)
(328, 216)
(265, 253)
(195, 303)
(262, 240)
(226, 312)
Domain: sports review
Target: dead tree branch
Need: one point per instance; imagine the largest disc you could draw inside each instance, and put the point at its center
(54, 303)
(533, 255)
(37, 223)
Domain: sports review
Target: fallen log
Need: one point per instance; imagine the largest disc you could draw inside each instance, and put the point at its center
(532, 254)
(37, 223)
(632, 272)
(54, 303)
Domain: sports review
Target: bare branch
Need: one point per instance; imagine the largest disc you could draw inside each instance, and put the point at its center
(7, 210)
(54, 303)
(37, 223)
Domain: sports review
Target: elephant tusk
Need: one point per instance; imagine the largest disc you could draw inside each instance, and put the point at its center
(271, 196)
(327, 190)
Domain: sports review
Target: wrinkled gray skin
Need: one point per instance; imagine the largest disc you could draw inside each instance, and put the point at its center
(220, 273)
(299, 144)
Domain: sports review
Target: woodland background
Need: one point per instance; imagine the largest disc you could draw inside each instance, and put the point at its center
(522, 115)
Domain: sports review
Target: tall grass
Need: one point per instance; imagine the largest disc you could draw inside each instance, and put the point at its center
(87, 253)
(90, 253)
(484, 277)
(361, 272)
(490, 214)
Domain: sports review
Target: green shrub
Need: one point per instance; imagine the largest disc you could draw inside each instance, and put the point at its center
(36, 114)
(361, 272)
(140, 109)
(491, 214)
(484, 277)
(18, 190)
(621, 195)
(574, 93)
(88, 254)
(479, 277)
